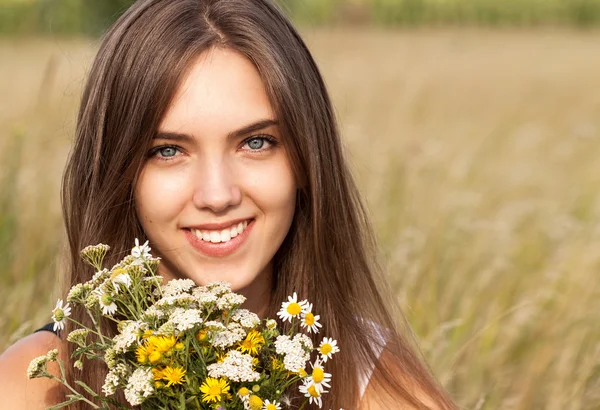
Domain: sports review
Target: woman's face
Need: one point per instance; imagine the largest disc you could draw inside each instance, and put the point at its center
(216, 195)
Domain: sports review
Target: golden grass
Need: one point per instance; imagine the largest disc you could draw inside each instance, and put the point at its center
(477, 152)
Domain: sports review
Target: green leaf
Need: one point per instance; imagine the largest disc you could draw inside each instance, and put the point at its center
(72, 399)
(86, 388)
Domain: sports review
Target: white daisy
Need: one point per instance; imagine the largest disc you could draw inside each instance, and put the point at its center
(313, 392)
(121, 279)
(292, 308)
(268, 405)
(318, 375)
(59, 315)
(141, 251)
(107, 303)
(327, 348)
(309, 321)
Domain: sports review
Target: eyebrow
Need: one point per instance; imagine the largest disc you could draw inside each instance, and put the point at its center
(248, 129)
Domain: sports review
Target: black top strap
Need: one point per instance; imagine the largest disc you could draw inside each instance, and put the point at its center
(48, 328)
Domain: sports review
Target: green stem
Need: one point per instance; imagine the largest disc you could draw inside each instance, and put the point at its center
(63, 381)
(84, 326)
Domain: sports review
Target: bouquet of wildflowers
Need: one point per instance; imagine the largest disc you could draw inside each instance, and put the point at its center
(183, 346)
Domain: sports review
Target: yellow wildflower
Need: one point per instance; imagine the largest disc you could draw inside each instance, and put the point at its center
(173, 375)
(252, 343)
(213, 389)
(255, 402)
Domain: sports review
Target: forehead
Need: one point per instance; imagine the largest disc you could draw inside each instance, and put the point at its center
(222, 90)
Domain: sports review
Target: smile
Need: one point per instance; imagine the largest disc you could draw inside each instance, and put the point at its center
(219, 242)
(223, 235)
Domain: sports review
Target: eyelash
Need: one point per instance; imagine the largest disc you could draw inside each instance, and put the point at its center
(268, 138)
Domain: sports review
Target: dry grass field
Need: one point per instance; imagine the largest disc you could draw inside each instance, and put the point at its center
(478, 154)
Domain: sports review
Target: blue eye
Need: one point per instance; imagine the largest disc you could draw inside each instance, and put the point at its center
(167, 151)
(260, 143)
(256, 143)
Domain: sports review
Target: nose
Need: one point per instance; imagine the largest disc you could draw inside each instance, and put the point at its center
(216, 187)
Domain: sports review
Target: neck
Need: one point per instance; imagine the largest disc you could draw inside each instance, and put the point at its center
(258, 293)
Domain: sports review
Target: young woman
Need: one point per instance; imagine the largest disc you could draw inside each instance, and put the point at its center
(205, 127)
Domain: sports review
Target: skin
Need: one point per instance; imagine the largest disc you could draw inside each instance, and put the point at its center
(210, 176)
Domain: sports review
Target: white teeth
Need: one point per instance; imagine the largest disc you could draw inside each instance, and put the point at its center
(224, 235)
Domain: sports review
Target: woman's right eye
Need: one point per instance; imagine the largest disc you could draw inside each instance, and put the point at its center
(165, 152)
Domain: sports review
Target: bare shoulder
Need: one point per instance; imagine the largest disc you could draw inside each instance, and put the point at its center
(16, 390)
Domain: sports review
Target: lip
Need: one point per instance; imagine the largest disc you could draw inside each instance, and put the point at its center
(221, 249)
(219, 225)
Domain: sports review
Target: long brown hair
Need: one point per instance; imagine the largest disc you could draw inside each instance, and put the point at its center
(329, 254)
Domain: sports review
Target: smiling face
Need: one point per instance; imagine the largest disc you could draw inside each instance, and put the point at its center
(216, 195)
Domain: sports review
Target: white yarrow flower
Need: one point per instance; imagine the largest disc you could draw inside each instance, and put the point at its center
(36, 366)
(184, 319)
(226, 338)
(236, 366)
(177, 286)
(139, 386)
(295, 353)
(127, 336)
(229, 300)
(246, 318)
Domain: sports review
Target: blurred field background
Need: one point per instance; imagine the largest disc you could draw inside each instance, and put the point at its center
(475, 140)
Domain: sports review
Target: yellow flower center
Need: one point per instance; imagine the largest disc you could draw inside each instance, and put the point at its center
(255, 402)
(309, 319)
(302, 373)
(326, 349)
(271, 406)
(243, 391)
(312, 390)
(106, 299)
(59, 315)
(294, 309)
(201, 336)
(117, 272)
(154, 356)
(214, 390)
(179, 346)
(318, 375)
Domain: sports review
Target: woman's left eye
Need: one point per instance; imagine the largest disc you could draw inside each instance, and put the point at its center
(259, 143)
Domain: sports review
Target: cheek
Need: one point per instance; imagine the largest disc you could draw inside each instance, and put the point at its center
(160, 195)
(273, 189)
